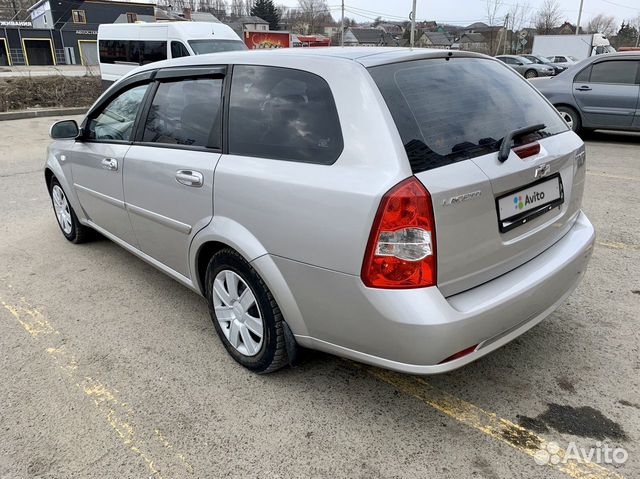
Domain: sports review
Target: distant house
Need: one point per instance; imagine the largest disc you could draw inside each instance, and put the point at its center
(249, 24)
(364, 37)
(474, 42)
(204, 17)
(565, 29)
(253, 23)
(392, 28)
(434, 40)
(429, 26)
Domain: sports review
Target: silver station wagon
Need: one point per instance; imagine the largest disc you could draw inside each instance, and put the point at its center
(410, 209)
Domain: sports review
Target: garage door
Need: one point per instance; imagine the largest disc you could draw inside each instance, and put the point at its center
(88, 52)
(38, 52)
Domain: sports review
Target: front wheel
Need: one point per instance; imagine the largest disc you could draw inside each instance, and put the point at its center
(245, 314)
(571, 117)
(530, 74)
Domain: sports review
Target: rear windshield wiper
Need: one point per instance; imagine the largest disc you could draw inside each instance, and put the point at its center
(507, 141)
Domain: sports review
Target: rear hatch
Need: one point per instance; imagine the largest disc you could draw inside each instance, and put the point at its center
(492, 214)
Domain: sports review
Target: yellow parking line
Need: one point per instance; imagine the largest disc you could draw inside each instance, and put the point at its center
(116, 412)
(619, 177)
(489, 423)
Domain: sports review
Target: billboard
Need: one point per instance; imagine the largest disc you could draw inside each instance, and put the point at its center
(259, 40)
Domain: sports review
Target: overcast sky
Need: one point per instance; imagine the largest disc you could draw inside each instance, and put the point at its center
(464, 12)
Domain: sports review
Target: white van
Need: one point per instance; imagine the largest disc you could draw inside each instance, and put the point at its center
(124, 46)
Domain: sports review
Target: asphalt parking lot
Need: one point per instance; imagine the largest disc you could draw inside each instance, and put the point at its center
(111, 369)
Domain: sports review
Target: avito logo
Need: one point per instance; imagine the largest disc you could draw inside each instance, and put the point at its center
(524, 200)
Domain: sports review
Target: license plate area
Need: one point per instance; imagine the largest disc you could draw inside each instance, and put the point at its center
(519, 206)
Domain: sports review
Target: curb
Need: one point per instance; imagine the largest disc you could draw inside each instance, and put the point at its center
(19, 115)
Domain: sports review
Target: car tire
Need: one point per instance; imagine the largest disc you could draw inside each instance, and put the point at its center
(530, 74)
(571, 117)
(230, 282)
(66, 218)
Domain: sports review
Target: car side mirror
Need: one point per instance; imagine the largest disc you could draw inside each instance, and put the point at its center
(64, 130)
(519, 63)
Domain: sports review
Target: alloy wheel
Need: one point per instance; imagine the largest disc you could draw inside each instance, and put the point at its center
(566, 116)
(63, 212)
(238, 313)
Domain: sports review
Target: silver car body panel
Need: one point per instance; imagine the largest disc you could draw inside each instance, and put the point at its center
(304, 227)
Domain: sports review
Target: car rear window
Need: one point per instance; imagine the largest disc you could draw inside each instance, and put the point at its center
(449, 110)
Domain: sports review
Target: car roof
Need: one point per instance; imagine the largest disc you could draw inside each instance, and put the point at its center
(367, 56)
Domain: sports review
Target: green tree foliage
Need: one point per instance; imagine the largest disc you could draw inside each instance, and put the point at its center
(266, 10)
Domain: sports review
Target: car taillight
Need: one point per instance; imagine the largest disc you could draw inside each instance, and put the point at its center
(525, 151)
(401, 252)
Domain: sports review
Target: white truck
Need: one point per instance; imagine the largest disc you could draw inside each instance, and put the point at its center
(125, 46)
(578, 46)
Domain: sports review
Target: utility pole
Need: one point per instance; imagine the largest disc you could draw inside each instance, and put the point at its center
(342, 26)
(506, 27)
(579, 18)
(413, 24)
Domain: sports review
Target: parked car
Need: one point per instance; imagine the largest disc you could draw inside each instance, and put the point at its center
(525, 67)
(600, 92)
(386, 205)
(563, 60)
(540, 60)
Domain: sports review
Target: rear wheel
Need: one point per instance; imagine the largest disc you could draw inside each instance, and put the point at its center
(67, 219)
(530, 74)
(571, 117)
(245, 314)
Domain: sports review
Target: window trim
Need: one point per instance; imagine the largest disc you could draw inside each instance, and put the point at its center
(269, 158)
(81, 13)
(169, 75)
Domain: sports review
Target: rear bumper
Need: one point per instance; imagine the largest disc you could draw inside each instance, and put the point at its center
(414, 330)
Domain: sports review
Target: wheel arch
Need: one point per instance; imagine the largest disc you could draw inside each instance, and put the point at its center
(224, 233)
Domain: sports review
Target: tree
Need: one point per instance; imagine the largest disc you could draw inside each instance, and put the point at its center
(548, 17)
(627, 36)
(492, 9)
(602, 23)
(237, 8)
(313, 13)
(266, 10)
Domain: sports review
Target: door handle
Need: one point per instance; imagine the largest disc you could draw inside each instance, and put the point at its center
(584, 88)
(190, 178)
(110, 164)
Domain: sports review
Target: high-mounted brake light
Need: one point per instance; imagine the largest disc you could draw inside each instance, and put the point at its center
(401, 252)
(525, 151)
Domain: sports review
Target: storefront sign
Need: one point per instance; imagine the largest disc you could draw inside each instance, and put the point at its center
(86, 32)
(13, 23)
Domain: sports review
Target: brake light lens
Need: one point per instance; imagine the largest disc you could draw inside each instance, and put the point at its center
(401, 252)
(526, 151)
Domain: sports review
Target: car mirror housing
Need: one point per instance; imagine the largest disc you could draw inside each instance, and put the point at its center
(64, 130)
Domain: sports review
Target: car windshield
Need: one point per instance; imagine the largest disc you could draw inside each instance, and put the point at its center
(202, 47)
(572, 58)
(444, 114)
(524, 60)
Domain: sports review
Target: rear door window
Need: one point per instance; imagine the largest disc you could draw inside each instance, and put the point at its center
(616, 71)
(447, 110)
(186, 113)
(283, 114)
